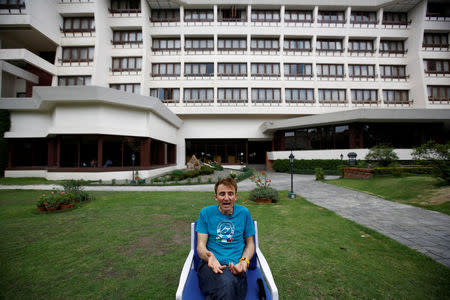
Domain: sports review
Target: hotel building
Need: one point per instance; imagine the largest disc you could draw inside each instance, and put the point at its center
(89, 83)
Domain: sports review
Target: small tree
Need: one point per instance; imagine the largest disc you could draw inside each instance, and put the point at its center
(437, 155)
(381, 155)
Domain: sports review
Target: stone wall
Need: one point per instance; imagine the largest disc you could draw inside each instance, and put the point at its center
(357, 173)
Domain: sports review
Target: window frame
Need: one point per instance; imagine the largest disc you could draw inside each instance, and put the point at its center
(89, 54)
(364, 14)
(329, 14)
(389, 18)
(175, 16)
(361, 96)
(266, 67)
(297, 13)
(304, 68)
(90, 20)
(332, 92)
(207, 91)
(224, 39)
(173, 67)
(390, 44)
(199, 40)
(329, 67)
(128, 60)
(208, 13)
(191, 66)
(265, 40)
(125, 37)
(118, 86)
(129, 8)
(266, 13)
(352, 42)
(438, 98)
(167, 94)
(393, 69)
(265, 91)
(240, 99)
(352, 73)
(396, 92)
(321, 42)
(232, 66)
(290, 92)
(298, 43)
(86, 80)
(443, 40)
(440, 66)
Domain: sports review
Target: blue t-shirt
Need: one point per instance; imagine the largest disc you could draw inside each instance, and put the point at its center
(226, 233)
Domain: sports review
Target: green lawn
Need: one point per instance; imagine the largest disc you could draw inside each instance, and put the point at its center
(27, 180)
(422, 191)
(133, 246)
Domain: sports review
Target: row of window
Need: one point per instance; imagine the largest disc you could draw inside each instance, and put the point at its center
(272, 44)
(435, 93)
(273, 15)
(273, 69)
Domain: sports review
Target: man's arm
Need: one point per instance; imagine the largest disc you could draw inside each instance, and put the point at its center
(242, 266)
(207, 255)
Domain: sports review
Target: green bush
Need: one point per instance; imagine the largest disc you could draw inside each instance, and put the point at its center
(381, 155)
(264, 192)
(244, 175)
(438, 156)
(216, 166)
(398, 171)
(283, 165)
(320, 175)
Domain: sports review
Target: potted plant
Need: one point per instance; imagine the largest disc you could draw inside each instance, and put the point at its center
(42, 202)
(66, 199)
(53, 201)
(263, 192)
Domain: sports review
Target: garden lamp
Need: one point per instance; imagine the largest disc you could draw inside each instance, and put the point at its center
(133, 157)
(291, 160)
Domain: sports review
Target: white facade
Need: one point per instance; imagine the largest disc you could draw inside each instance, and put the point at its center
(355, 71)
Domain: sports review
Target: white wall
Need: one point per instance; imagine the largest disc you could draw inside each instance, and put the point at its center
(26, 124)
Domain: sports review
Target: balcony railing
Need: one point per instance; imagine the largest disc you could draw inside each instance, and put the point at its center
(11, 8)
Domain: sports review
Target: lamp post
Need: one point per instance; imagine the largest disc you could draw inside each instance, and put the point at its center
(133, 157)
(291, 160)
(342, 157)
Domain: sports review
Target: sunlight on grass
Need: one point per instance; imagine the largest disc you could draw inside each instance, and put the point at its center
(421, 191)
(133, 246)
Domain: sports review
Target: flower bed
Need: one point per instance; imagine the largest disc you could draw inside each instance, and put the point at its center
(61, 200)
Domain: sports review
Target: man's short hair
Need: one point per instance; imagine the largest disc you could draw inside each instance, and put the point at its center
(228, 182)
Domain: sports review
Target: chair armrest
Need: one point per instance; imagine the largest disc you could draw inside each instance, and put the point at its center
(184, 274)
(265, 269)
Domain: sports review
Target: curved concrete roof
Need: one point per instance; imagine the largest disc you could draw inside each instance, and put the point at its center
(46, 98)
(360, 115)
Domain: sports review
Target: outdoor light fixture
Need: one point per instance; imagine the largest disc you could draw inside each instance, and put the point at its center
(342, 157)
(133, 157)
(203, 154)
(291, 160)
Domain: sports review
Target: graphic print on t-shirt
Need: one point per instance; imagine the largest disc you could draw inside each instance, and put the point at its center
(225, 231)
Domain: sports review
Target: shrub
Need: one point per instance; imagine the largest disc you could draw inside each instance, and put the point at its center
(413, 169)
(246, 174)
(264, 192)
(113, 182)
(438, 155)
(283, 165)
(320, 175)
(74, 185)
(205, 170)
(216, 166)
(381, 155)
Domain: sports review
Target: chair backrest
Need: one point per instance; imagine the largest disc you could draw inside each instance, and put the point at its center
(198, 260)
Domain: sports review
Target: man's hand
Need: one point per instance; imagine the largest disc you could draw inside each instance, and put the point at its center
(240, 268)
(214, 264)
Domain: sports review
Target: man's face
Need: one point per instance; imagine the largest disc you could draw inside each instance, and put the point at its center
(225, 197)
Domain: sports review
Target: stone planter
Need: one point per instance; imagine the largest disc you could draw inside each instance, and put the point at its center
(358, 173)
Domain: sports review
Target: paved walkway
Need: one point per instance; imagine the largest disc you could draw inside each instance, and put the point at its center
(423, 230)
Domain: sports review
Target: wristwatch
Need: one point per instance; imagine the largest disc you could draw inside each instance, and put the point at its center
(246, 260)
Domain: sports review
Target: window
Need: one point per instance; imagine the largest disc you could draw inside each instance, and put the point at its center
(232, 95)
(326, 70)
(74, 80)
(232, 69)
(127, 37)
(437, 10)
(265, 44)
(392, 71)
(435, 40)
(165, 15)
(331, 17)
(396, 96)
(127, 87)
(266, 95)
(199, 69)
(79, 24)
(438, 93)
(297, 45)
(12, 4)
(329, 45)
(298, 70)
(232, 14)
(232, 44)
(434, 66)
(265, 69)
(198, 95)
(360, 46)
(199, 44)
(166, 94)
(332, 96)
(160, 44)
(395, 18)
(121, 64)
(363, 17)
(298, 16)
(361, 71)
(198, 15)
(78, 54)
(265, 15)
(364, 96)
(299, 95)
(166, 69)
(125, 6)
(390, 46)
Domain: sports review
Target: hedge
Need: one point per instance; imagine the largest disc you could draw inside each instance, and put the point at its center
(244, 175)
(413, 169)
(283, 165)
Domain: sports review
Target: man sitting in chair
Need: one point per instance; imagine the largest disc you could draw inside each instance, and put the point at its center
(225, 244)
